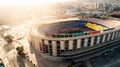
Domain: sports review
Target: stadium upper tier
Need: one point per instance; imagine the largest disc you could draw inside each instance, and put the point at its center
(76, 27)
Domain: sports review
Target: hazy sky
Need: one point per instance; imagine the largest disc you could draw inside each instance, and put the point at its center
(29, 2)
(17, 11)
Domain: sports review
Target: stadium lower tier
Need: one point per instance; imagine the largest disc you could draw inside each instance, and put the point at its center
(74, 31)
(67, 31)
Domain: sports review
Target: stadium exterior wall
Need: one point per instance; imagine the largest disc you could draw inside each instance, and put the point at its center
(38, 41)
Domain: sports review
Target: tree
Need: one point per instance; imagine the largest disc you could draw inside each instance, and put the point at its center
(20, 49)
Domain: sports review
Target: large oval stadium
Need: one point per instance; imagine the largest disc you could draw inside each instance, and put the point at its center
(76, 39)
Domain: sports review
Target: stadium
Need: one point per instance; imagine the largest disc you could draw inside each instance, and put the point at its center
(76, 39)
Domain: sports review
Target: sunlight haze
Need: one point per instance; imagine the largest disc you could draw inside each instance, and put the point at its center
(29, 2)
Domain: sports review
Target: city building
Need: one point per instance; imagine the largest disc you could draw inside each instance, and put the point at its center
(116, 12)
(75, 39)
(72, 12)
